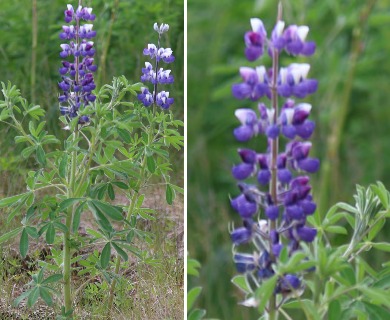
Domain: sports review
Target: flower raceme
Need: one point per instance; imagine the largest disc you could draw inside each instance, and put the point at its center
(77, 75)
(275, 197)
(155, 75)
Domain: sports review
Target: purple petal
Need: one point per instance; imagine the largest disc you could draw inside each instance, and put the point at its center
(263, 177)
(294, 212)
(272, 131)
(289, 131)
(243, 133)
(244, 262)
(248, 155)
(285, 90)
(308, 48)
(245, 208)
(308, 207)
(284, 175)
(252, 53)
(242, 171)
(306, 234)
(272, 212)
(241, 235)
(306, 129)
(309, 165)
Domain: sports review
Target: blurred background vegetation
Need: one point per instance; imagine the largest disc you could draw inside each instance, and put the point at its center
(29, 58)
(351, 110)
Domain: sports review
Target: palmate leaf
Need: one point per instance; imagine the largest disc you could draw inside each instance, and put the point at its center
(9, 235)
(106, 255)
(169, 194)
(197, 314)
(100, 218)
(112, 212)
(192, 295)
(11, 200)
(264, 292)
(121, 252)
(45, 295)
(23, 244)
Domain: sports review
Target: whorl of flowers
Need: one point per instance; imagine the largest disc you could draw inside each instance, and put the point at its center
(275, 198)
(78, 64)
(155, 75)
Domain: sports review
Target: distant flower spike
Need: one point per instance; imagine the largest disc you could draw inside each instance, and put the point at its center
(155, 75)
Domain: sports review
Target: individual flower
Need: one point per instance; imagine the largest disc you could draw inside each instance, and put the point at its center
(255, 40)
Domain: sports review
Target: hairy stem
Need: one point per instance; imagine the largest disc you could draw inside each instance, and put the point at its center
(67, 234)
(272, 309)
(130, 212)
(34, 49)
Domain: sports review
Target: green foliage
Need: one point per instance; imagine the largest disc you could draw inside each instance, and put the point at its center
(97, 162)
(193, 267)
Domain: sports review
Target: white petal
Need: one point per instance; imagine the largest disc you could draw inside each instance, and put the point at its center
(304, 106)
(251, 302)
(302, 32)
(289, 115)
(242, 114)
(261, 73)
(257, 24)
(279, 28)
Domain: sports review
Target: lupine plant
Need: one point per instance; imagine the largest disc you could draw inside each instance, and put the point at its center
(279, 255)
(113, 150)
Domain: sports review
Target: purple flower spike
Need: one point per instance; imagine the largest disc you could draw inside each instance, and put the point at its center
(276, 196)
(77, 80)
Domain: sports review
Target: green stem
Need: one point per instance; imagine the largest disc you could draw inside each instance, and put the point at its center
(272, 309)
(67, 234)
(34, 49)
(130, 211)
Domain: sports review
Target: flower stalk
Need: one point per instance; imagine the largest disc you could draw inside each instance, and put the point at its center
(280, 198)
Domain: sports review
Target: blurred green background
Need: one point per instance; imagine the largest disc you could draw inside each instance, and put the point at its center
(351, 109)
(29, 58)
